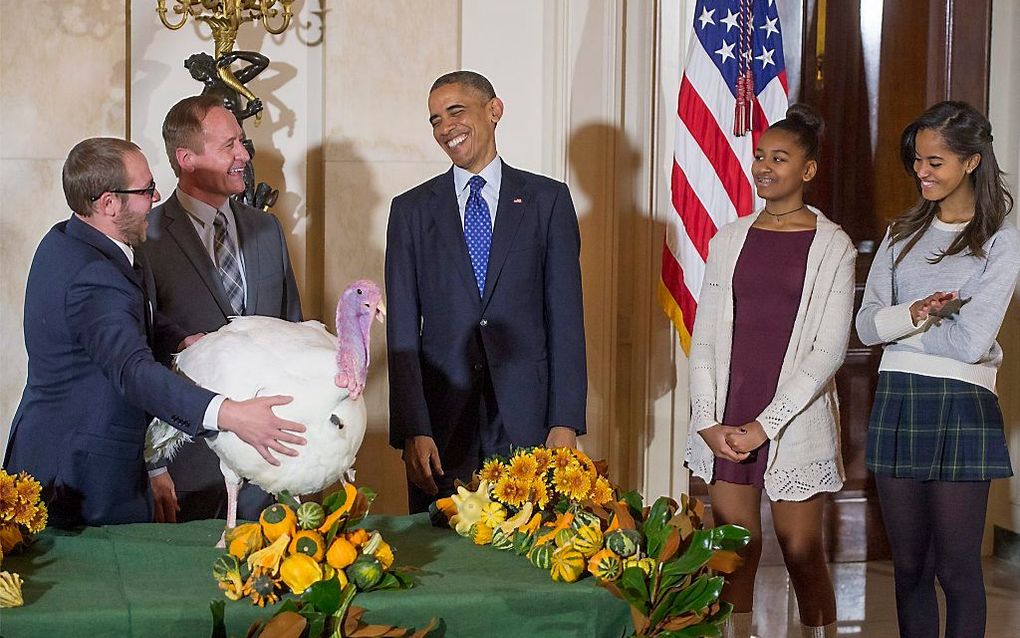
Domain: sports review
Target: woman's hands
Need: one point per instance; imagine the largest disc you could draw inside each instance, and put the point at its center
(717, 438)
(921, 309)
(747, 437)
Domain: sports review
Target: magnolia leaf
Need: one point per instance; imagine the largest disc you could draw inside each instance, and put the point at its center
(284, 625)
(656, 527)
(672, 544)
(634, 501)
(680, 622)
(702, 593)
(684, 524)
(324, 596)
(288, 499)
(634, 588)
(725, 561)
(639, 620)
(730, 537)
(661, 610)
(377, 631)
(622, 512)
(697, 554)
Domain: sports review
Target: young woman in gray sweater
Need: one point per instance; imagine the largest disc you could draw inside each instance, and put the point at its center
(936, 296)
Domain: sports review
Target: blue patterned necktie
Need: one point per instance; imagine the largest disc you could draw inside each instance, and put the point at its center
(478, 231)
(227, 264)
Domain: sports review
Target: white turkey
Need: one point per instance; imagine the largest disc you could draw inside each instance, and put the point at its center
(259, 356)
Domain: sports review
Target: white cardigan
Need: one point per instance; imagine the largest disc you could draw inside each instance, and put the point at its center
(802, 420)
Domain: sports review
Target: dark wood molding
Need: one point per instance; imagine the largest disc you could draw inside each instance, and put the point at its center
(959, 51)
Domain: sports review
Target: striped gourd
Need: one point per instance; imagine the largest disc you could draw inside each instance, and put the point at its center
(501, 540)
(624, 542)
(567, 565)
(541, 556)
(588, 540)
(605, 565)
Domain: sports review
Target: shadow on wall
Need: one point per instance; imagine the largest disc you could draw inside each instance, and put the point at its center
(353, 241)
(639, 369)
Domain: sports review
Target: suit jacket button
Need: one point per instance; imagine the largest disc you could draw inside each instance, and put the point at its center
(483, 322)
(478, 367)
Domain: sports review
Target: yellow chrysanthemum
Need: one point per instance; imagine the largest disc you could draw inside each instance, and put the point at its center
(493, 515)
(543, 458)
(492, 471)
(572, 482)
(522, 467)
(38, 522)
(602, 493)
(8, 495)
(540, 493)
(28, 488)
(511, 492)
(563, 457)
(22, 512)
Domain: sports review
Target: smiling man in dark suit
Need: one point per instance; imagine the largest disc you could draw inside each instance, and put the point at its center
(211, 258)
(485, 328)
(92, 379)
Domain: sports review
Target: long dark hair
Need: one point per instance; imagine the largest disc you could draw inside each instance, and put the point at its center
(966, 132)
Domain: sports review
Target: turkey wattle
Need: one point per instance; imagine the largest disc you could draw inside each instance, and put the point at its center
(260, 356)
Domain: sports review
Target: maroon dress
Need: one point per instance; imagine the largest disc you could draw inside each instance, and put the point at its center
(768, 281)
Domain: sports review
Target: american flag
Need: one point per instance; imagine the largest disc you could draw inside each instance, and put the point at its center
(711, 180)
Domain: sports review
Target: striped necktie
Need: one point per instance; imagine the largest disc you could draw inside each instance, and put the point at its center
(227, 264)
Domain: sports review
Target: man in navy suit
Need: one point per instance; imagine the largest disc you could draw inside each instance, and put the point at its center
(92, 379)
(485, 328)
(187, 239)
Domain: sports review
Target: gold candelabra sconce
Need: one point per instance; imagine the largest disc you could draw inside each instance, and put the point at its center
(220, 14)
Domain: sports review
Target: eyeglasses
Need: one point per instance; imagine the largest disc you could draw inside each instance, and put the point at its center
(148, 191)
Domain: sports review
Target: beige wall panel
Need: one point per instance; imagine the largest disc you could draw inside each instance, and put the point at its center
(31, 201)
(381, 60)
(62, 76)
(357, 199)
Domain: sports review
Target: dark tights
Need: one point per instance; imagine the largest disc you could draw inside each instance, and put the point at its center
(935, 530)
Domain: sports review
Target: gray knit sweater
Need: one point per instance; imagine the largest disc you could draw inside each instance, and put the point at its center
(962, 344)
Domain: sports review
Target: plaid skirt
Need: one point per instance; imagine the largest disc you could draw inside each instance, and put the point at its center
(931, 428)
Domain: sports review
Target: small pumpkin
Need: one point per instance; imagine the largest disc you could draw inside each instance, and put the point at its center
(502, 540)
(541, 556)
(308, 543)
(563, 537)
(365, 572)
(269, 558)
(588, 540)
(605, 565)
(523, 542)
(583, 518)
(566, 564)
(310, 515)
(341, 553)
(350, 494)
(277, 520)
(645, 564)
(299, 571)
(480, 533)
(244, 539)
(624, 542)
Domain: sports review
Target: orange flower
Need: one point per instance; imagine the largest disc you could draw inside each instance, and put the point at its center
(8, 495)
(511, 492)
(572, 482)
(602, 493)
(492, 471)
(522, 467)
(28, 488)
(23, 512)
(563, 457)
(540, 492)
(543, 458)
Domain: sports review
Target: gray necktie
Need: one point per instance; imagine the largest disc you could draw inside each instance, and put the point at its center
(227, 264)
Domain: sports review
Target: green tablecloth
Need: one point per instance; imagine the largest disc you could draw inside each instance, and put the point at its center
(155, 580)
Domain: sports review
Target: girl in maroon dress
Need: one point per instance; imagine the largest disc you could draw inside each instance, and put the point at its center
(780, 288)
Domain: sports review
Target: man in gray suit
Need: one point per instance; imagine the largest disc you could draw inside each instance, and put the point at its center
(212, 258)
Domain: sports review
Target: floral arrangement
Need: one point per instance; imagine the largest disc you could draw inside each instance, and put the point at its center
(293, 547)
(21, 513)
(558, 508)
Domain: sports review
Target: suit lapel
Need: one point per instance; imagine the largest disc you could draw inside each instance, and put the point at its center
(247, 239)
(178, 224)
(80, 230)
(513, 201)
(446, 216)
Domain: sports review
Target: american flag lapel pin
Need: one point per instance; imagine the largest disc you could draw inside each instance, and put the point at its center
(518, 200)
